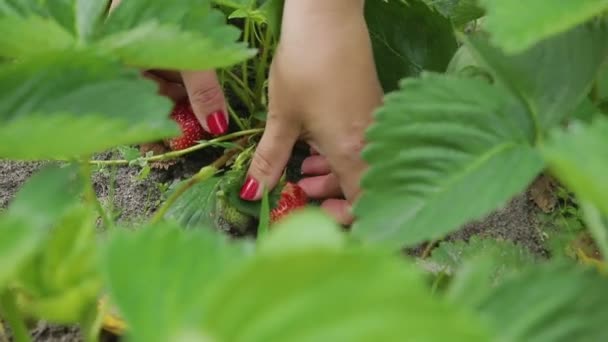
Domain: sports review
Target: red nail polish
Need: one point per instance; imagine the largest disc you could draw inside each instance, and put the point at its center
(217, 123)
(249, 189)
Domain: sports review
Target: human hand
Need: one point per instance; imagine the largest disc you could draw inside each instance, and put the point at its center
(323, 88)
(202, 88)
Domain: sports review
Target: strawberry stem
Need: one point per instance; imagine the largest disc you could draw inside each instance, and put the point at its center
(177, 154)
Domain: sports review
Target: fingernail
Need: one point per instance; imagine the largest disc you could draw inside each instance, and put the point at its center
(217, 123)
(250, 189)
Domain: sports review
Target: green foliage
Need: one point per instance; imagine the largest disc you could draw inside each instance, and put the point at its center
(460, 12)
(43, 200)
(517, 25)
(450, 256)
(241, 298)
(444, 149)
(550, 302)
(164, 298)
(66, 95)
(196, 207)
(579, 158)
(407, 39)
(566, 152)
(66, 69)
(454, 136)
(552, 77)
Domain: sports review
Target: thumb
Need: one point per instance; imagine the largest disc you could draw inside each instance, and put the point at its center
(207, 100)
(270, 158)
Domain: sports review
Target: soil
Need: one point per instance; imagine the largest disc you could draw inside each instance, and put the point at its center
(134, 200)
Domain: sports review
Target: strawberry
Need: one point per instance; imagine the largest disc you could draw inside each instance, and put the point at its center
(192, 131)
(292, 198)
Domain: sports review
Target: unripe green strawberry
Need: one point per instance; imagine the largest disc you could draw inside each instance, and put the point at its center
(229, 218)
(191, 128)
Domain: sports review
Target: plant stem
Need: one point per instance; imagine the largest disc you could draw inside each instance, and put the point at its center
(244, 65)
(177, 154)
(428, 249)
(204, 174)
(236, 118)
(13, 317)
(437, 281)
(91, 325)
(242, 86)
(261, 69)
(91, 196)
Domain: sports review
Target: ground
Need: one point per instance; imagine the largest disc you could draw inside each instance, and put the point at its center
(135, 200)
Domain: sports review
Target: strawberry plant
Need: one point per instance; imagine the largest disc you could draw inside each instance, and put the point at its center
(481, 97)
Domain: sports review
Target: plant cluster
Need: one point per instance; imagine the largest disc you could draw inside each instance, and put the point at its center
(482, 97)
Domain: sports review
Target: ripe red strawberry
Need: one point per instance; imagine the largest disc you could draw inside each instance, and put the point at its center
(292, 198)
(192, 131)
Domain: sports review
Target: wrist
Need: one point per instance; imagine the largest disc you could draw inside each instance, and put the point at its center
(310, 16)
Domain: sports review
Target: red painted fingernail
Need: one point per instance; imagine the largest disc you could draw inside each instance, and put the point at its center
(250, 189)
(217, 123)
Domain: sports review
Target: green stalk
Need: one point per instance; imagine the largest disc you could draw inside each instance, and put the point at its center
(234, 116)
(243, 92)
(245, 39)
(91, 325)
(12, 315)
(91, 196)
(177, 154)
(261, 69)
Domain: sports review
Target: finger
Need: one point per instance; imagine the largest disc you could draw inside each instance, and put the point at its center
(321, 187)
(270, 158)
(114, 4)
(207, 99)
(169, 76)
(315, 165)
(174, 91)
(345, 161)
(339, 210)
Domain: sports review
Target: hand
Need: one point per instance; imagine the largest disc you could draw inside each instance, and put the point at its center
(201, 87)
(323, 89)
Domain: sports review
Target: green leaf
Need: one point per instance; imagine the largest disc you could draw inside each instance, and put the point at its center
(47, 196)
(54, 269)
(273, 11)
(129, 153)
(264, 220)
(554, 302)
(182, 35)
(27, 36)
(61, 283)
(303, 230)
(553, 77)
(517, 25)
(79, 17)
(506, 255)
(18, 242)
(174, 270)
(597, 225)
(408, 38)
(34, 27)
(444, 145)
(579, 158)
(67, 105)
(329, 294)
(196, 207)
(459, 11)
